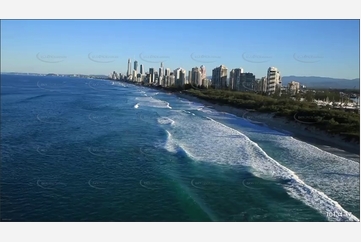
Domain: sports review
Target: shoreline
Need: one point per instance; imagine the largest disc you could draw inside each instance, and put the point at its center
(298, 131)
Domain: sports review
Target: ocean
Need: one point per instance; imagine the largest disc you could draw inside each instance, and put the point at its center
(85, 150)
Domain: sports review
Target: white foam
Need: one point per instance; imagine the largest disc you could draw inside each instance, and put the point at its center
(136, 105)
(188, 112)
(165, 120)
(152, 102)
(213, 146)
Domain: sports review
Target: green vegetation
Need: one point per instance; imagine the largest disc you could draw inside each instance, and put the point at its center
(346, 123)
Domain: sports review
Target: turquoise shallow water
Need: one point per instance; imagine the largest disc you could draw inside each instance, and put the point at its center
(94, 150)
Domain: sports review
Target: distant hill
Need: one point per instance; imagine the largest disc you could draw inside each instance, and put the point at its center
(323, 82)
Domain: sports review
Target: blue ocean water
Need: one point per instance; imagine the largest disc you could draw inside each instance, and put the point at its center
(77, 149)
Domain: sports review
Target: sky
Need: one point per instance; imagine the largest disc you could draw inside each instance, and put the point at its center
(327, 48)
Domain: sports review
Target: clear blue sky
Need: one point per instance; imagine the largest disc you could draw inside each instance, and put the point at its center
(327, 48)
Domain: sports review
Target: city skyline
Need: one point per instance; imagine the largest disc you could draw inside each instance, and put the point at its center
(328, 48)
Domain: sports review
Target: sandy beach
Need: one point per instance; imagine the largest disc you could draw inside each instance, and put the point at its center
(303, 132)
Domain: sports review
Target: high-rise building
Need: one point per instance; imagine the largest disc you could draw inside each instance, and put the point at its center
(190, 77)
(203, 72)
(196, 76)
(129, 72)
(234, 79)
(134, 75)
(139, 77)
(167, 72)
(262, 85)
(161, 71)
(247, 82)
(293, 87)
(114, 75)
(219, 77)
(151, 75)
(182, 78)
(274, 82)
(179, 76)
(161, 74)
(171, 79)
(156, 78)
(136, 65)
(205, 83)
(141, 69)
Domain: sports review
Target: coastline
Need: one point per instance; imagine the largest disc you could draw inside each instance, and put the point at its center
(301, 132)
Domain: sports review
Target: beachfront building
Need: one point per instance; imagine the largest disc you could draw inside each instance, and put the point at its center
(161, 70)
(205, 83)
(219, 77)
(151, 76)
(129, 72)
(293, 87)
(247, 82)
(196, 77)
(139, 77)
(134, 76)
(180, 77)
(189, 78)
(234, 78)
(156, 78)
(171, 79)
(114, 76)
(274, 82)
(203, 72)
(146, 78)
(263, 85)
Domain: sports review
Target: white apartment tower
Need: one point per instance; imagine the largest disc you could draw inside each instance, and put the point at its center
(196, 76)
(293, 87)
(179, 76)
(274, 82)
(219, 77)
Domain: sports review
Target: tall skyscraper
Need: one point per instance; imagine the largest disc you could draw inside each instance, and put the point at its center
(196, 77)
(129, 72)
(234, 79)
(179, 76)
(134, 76)
(151, 75)
(219, 77)
(273, 80)
(203, 72)
(141, 69)
(136, 65)
(167, 72)
(190, 77)
(161, 72)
